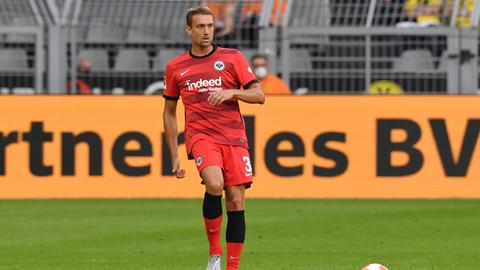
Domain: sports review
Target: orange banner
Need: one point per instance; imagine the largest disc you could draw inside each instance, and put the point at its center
(302, 147)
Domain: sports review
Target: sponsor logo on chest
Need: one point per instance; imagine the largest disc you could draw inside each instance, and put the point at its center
(205, 85)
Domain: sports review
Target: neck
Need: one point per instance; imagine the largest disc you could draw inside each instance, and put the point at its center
(201, 51)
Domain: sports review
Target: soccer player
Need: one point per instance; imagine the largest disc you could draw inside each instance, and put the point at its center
(209, 80)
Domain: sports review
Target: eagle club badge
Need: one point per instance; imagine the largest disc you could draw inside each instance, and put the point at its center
(219, 65)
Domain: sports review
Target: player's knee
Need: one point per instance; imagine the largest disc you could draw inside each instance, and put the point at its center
(215, 187)
(235, 203)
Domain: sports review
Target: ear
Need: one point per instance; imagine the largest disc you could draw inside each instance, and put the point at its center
(188, 29)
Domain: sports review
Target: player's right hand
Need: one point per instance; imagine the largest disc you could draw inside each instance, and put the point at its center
(177, 170)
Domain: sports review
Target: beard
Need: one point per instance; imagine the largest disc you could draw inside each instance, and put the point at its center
(204, 43)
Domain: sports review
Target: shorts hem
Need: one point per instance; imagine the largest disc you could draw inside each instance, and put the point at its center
(210, 165)
(247, 184)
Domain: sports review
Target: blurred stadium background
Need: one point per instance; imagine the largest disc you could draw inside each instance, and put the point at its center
(317, 46)
(331, 51)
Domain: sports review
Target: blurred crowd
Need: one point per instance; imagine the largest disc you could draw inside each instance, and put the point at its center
(428, 13)
(238, 20)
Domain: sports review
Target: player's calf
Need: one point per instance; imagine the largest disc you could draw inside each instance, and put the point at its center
(235, 238)
(212, 213)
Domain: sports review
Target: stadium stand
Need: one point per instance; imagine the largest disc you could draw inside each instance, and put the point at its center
(21, 38)
(13, 60)
(20, 25)
(142, 30)
(132, 60)
(248, 53)
(443, 65)
(102, 32)
(13, 9)
(163, 57)
(414, 61)
(60, 4)
(98, 58)
(299, 60)
(299, 13)
(325, 46)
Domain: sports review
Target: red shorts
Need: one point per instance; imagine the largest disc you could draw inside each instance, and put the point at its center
(234, 161)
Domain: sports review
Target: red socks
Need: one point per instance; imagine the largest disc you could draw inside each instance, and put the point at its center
(212, 213)
(212, 227)
(234, 250)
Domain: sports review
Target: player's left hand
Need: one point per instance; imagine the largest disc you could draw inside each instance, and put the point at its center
(216, 98)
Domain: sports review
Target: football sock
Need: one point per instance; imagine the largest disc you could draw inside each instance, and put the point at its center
(235, 238)
(212, 215)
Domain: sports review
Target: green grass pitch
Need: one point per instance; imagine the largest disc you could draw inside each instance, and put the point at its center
(281, 234)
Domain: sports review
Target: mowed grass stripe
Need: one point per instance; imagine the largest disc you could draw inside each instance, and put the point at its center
(281, 234)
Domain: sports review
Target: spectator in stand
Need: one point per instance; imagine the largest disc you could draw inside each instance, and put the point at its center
(251, 12)
(224, 12)
(83, 68)
(425, 13)
(249, 23)
(269, 83)
(422, 14)
(278, 12)
(465, 9)
(430, 12)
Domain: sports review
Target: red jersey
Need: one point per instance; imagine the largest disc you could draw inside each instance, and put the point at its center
(193, 77)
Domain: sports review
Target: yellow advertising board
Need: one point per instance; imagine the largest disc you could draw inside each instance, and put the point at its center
(302, 147)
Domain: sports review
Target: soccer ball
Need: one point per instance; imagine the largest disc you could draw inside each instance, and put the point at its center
(375, 266)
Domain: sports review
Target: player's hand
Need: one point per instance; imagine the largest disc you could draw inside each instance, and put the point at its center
(216, 98)
(177, 170)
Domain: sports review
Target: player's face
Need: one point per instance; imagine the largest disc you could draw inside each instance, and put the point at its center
(202, 30)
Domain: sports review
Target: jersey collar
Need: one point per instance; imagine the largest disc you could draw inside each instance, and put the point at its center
(203, 56)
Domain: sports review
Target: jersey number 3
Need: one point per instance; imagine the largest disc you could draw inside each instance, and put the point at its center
(248, 166)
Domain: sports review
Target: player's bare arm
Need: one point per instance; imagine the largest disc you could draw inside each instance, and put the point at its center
(252, 95)
(171, 132)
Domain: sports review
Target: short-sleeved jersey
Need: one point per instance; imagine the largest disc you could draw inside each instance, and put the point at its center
(193, 78)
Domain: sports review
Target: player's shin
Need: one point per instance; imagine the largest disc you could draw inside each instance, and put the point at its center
(235, 238)
(212, 213)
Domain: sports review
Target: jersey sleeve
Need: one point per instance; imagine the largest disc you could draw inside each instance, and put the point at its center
(245, 75)
(171, 87)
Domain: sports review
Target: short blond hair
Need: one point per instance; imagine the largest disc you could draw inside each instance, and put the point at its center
(197, 10)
